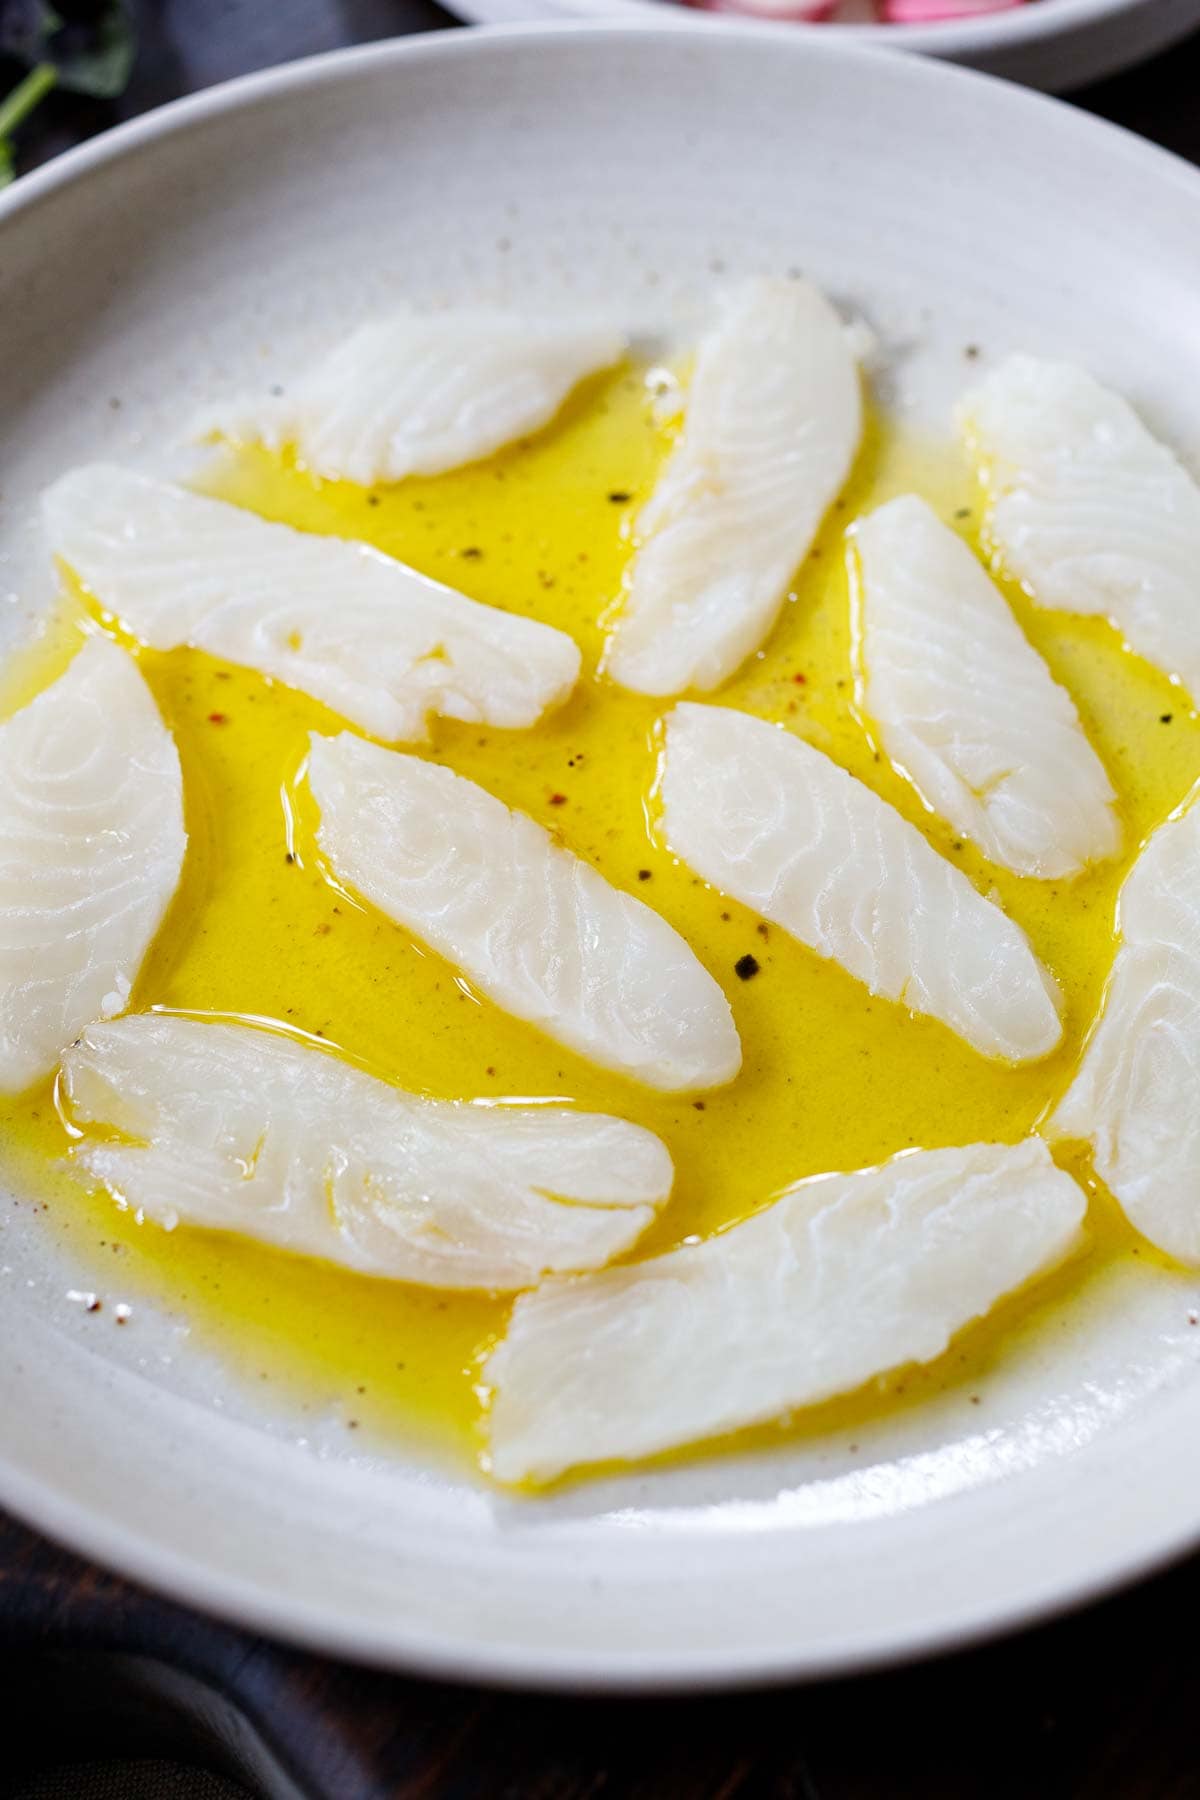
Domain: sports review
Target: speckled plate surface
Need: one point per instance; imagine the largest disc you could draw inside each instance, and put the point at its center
(172, 260)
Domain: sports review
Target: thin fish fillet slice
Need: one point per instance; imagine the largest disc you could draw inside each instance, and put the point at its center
(842, 1278)
(779, 826)
(91, 847)
(535, 929)
(1088, 510)
(248, 1131)
(774, 418)
(965, 706)
(373, 639)
(1136, 1096)
(412, 395)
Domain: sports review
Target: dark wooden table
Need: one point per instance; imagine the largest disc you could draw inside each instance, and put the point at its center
(1102, 1706)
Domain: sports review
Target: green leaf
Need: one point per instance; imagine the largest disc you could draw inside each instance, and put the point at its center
(18, 105)
(93, 47)
(97, 58)
(26, 28)
(93, 56)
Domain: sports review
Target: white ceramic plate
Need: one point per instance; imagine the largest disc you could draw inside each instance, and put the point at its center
(1054, 45)
(228, 236)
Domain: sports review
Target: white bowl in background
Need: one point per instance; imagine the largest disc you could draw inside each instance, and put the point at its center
(1053, 45)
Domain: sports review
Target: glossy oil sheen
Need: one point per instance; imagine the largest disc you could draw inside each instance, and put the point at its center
(832, 1079)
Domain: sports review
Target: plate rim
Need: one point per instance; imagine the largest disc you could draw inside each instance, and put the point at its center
(188, 1578)
(1023, 26)
(228, 1600)
(132, 135)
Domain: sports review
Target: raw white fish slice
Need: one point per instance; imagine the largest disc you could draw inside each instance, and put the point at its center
(373, 639)
(842, 1278)
(91, 846)
(965, 706)
(413, 396)
(774, 417)
(1088, 510)
(780, 827)
(249, 1131)
(1136, 1096)
(535, 929)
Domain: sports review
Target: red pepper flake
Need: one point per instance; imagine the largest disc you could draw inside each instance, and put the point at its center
(218, 718)
(800, 680)
(1165, 718)
(746, 967)
(94, 1304)
(645, 874)
(558, 799)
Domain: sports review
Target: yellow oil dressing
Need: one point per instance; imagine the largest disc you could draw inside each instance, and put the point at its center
(832, 1078)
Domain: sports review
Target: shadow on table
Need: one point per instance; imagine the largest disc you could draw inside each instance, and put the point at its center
(1160, 100)
(1101, 1706)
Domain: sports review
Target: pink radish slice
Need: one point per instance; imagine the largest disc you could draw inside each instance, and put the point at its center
(926, 12)
(811, 10)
